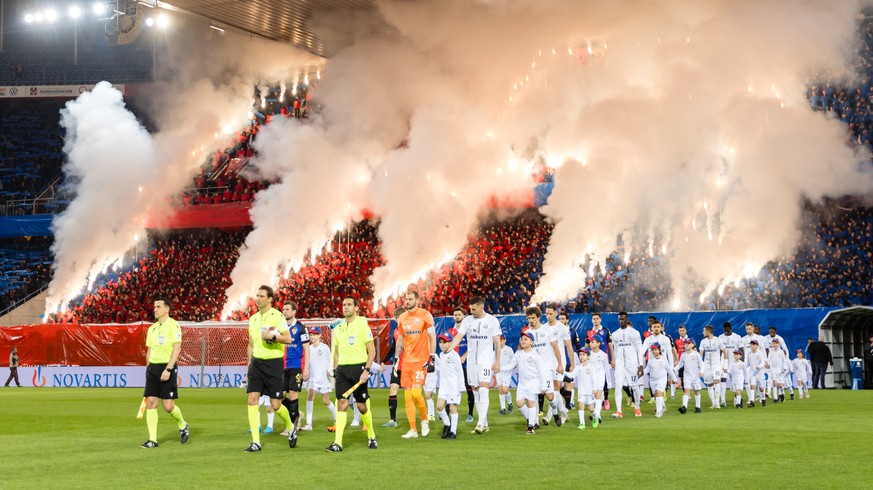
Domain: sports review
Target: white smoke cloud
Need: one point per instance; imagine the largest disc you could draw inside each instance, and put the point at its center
(686, 120)
(122, 177)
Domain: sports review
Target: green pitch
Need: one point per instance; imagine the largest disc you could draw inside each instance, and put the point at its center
(87, 438)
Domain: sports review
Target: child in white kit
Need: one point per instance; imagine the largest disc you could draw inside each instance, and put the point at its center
(737, 371)
(802, 372)
(320, 364)
(451, 384)
(504, 378)
(532, 380)
(693, 364)
(659, 368)
(756, 363)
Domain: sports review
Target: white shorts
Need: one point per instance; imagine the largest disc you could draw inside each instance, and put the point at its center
(478, 374)
(524, 394)
(450, 398)
(586, 399)
(322, 387)
(692, 383)
(625, 377)
(598, 381)
(758, 380)
(264, 401)
(736, 383)
(711, 374)
(504, 378)
(430, 382)
(658, 384)
(778, 378)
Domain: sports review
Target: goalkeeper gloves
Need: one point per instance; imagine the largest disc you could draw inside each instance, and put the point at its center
(431, 363)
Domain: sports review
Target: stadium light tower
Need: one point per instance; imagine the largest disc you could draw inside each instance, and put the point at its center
(74, 12)
(99, 8)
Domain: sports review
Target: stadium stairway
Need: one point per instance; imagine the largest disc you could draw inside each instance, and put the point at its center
(29, 313)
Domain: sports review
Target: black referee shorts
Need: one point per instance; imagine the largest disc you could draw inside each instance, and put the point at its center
(293, 380)
(348, 376)
(265, 377)
(165, 390)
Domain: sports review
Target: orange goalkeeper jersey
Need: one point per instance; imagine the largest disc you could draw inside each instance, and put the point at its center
(413, 327)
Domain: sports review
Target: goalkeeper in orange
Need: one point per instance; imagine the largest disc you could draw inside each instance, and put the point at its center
(417, 341)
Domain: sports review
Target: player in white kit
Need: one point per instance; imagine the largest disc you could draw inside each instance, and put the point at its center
(802, 372)
(483, 343)
(600, 365)
(691, 365)
(533, 377)
(737, 372)
(627, 344)
(320, 370)
(504, 379)
(451, 384)
(714, 355)
(756, 362)
(731, 342)
(660, 370)
(545, 344)
(561, 384)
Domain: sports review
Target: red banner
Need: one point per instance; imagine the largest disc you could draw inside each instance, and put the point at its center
(124, 345)
(209, 216)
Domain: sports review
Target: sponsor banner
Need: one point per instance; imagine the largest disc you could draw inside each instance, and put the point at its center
(134, 377)
(37, 91)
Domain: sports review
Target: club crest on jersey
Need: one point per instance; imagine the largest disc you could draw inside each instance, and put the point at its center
(351, 340)
(294, 331)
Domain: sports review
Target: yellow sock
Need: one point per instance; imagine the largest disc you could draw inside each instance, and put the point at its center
(285, 416)
(418, 398)
(341, 419)
(177, 414)
(255, 423)
(367, 418)
(152, 423)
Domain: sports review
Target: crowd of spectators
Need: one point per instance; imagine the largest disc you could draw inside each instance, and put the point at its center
(502, 261)
(191, 268)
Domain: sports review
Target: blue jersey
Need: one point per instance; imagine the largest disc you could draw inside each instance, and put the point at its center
(294, 350)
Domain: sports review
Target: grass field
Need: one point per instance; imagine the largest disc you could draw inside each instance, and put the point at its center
(83, 438)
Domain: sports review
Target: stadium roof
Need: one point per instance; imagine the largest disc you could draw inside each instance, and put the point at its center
(856, 318)
(299, 22)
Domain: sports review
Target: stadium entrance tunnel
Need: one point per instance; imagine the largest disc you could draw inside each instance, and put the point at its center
(846, 332)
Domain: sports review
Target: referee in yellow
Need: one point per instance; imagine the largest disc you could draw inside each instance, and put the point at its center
(163, 343)
(268, 331)
(353, 354)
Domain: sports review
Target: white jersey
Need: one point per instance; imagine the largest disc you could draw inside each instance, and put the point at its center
(480, 333)
(583, 379)
(737, 371)
(731, 342)
(711, 351)
(562, 335)
(532, 373)
(319, 364)
(451, 377)
(666, 347)
(599, 362)
(659, 369)
(627, 348)
(542, 345)
(782, 345)
(755, 362)
(693, 364)
(506, 355)
(802, 369)
(778, 362)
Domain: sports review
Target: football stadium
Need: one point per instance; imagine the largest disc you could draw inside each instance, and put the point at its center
(628, 233)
